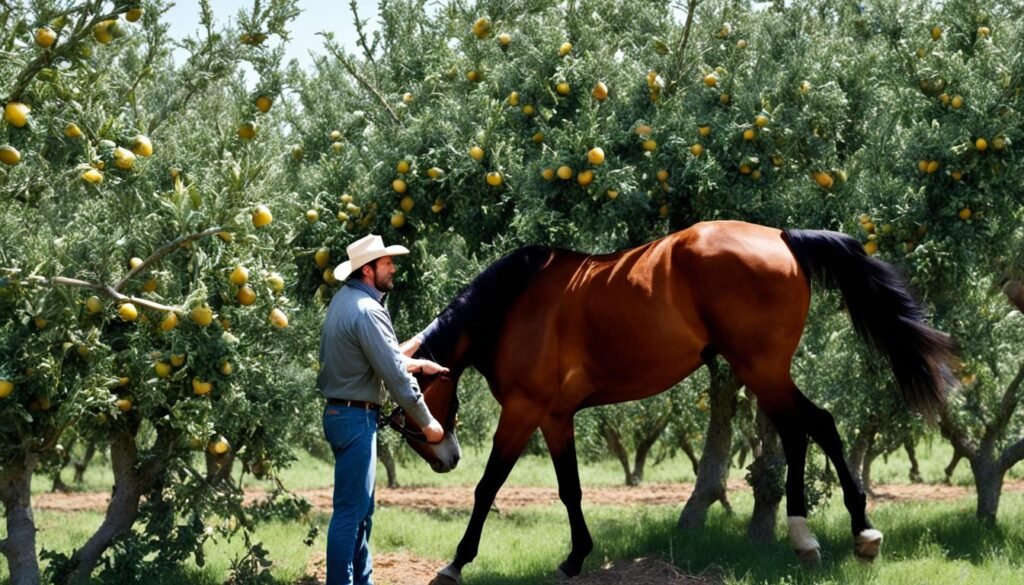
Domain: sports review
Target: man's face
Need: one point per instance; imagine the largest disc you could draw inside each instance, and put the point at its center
(384, 274)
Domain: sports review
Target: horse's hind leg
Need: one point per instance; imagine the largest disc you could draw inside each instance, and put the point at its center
(515, 426)
(560, 437)
(822, 428)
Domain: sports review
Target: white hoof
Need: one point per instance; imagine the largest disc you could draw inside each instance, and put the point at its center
(867, 545)
(803, 542)
(449, 575)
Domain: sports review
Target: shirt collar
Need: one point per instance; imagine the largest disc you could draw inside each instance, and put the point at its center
(370, 290)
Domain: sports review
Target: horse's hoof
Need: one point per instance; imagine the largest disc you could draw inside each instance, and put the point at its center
(810, 558)
(561, 575)
(448, 576)
(867, 545)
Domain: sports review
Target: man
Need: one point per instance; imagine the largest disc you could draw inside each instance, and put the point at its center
(358, 353)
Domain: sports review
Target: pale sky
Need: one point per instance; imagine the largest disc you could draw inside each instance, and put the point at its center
(317, 15)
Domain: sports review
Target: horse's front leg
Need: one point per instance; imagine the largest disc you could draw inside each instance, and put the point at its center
(515, 426)
(560, 437)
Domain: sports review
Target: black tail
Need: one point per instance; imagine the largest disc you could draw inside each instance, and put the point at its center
(883, 312)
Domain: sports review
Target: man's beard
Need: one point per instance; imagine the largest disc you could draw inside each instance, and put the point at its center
(384, 285)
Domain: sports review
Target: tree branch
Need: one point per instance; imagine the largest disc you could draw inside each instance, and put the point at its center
(163, 251)
(1012, 455)
(1007, 406)
(955, 435)
(690, 9)
(340, 56)
(101, 288)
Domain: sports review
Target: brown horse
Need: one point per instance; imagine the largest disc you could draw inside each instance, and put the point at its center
(555, 331)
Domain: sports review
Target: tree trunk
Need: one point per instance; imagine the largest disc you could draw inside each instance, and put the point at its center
(768, 478)
(687, 448)
(988, 481)
(858, 451)
(644, 445)
(957, 456)
(388, 459)
(865, 474)
(915, 467)
(81, 466)
(614, 442)
(20, 545)
(713, 469)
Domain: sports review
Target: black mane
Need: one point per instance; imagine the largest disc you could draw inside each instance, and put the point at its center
(481, 306)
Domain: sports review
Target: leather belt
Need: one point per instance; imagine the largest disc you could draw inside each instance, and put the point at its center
(353, 403)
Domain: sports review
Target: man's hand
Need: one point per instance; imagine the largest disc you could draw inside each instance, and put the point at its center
(433, 431)
(425, 367)
(410, 346)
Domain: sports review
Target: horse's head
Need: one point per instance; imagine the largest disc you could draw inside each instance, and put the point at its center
(439, 392)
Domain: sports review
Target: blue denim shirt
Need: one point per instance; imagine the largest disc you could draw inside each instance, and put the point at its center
(359, 355)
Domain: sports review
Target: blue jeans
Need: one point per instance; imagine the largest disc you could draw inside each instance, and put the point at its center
(352, 434)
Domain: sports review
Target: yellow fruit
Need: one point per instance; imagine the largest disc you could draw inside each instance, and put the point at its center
(399, 186)
(200, 388)
(312, 215)
(922, 165)
(482, 27)
(711, 80)
(612, 194)
(93, 305)
(407, 203)
(335, 135)
(756, 174)
(435, 173)
(177, 360)
(662, 175)
(777, 160)
(276, 282)
(402, 167)
(494, 179)
(128, 312)
(247, 131)
(642, 130)
(741, 44)
(529, 110)
(133, 14)
(725, 99)
(957, 102)
(92, 176)
(45, 36)
(245, 296)
(936, 33)
(337, 147)
(142, 146)
(761, 120)
(749, 134)
(261, 216)
(149, 286)
(169, 322)
(225, 236)
(278, 318)
(564, 172)
(72, 131)
(981, 144)
(226, 368)
(505, 39)
(202, 315)
(162, 369)
(564, 49)
(871, 248)
(823, 179)
(584, 178)
(124, 404)
(704, 131)
(745, 169)
(101, 32)
(562, 88)
(9, 155)
(664, 210)
(134, 262)
(322, 257)
(407, 98)
(438, 205)
(965, 213)
(398, 220)
(513, 99)
(805, 87)
(998, 143)
(538, 138)
(984, 31)
(595, 156)
(600, 91)
(697, 149)
(219, 446)
(649, 145)
(16, 114)
(549, 173)
(263, 103)
(6, 387)
(124, 159)
(933, 166)
(476, 153)
(473, 75)
(944, 99)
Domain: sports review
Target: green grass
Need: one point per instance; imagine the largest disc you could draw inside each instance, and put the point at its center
(925, 542)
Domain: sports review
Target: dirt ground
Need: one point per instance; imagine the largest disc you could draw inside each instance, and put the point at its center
(511, 497)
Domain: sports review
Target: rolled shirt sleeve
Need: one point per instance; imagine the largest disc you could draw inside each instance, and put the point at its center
(380, 345)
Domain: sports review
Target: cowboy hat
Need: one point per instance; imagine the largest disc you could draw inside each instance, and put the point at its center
(363, 250)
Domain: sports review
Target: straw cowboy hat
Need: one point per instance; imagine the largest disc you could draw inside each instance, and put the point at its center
(363, 250)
